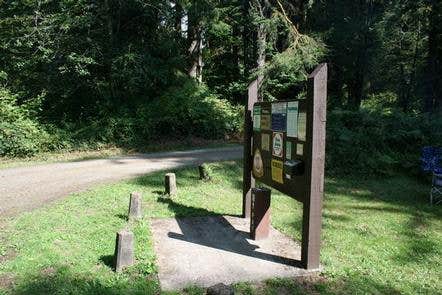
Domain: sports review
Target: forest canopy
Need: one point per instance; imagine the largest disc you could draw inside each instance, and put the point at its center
(128, 72)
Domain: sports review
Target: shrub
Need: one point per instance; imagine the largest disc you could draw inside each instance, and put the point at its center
(19, 135)
(182, 111)
(378, 142)
(190, 109)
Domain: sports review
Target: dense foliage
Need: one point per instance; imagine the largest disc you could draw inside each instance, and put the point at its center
(19, 135)
(85, 73)
(370, 142)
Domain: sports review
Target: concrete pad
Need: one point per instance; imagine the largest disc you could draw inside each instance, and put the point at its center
(205, 251)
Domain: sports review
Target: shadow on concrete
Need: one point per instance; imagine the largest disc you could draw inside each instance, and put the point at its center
(217, 232)
(225, 237)
(181, 210)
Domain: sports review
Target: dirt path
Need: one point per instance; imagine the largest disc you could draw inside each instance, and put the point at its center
(26, 188)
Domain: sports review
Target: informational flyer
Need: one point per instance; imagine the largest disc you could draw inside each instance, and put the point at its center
(265, 142)
(257, 118)
(265, 119)
(288, 150)
(279, 116)
(292, 119)
(278, 144)
(277, 169)
(302, 126)
(300, 149)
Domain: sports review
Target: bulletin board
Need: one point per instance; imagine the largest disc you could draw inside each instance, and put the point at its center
(279, 145)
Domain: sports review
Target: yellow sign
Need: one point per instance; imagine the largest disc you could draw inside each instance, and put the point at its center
(277, 168)
(258, 167)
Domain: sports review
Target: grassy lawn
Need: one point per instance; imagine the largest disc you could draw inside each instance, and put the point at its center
(379, 236)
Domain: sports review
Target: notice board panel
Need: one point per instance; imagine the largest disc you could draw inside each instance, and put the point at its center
(280, 146)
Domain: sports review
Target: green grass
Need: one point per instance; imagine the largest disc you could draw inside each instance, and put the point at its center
(379, 236)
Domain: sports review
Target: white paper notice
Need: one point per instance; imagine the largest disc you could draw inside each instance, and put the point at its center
(256, 118)
(302, 126)
(292, 119)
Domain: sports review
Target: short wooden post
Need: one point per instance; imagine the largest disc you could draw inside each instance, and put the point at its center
(204, 172)
(135, 206)
(170, 184)
(260, 217)
(124, 250)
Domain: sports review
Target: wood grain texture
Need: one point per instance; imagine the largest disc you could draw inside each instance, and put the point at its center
(311, 233)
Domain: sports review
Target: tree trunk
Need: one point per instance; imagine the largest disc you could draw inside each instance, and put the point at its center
(178, 17)
(436, 51)
(355, 91)
(264, 11)
(433, 89)
(110, 50)
(195, 38)
(195, 41)
(261, 43)
(246, 37)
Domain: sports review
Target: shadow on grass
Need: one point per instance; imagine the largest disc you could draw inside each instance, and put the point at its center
(109, 261)
(395, 195)
(407, 193)
(122, 216)
(353, 284)
(66, 281)
(419, 245)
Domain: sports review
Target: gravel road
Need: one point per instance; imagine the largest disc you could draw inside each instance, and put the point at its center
(26, 188)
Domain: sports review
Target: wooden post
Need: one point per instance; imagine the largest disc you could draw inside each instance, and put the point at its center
(124, 250)
(204, 172)
(135, 206)
(315, 149)
(248, 180)
(260, 217)
(170, 184)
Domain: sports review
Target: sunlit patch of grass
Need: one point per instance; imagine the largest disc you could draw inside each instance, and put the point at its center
(378, 236)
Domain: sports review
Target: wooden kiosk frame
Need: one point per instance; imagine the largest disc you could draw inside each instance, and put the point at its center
(306, 185)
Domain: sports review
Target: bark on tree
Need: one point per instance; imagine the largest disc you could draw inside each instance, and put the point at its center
(433, 87)
(195, 40)
(263, 8)
(178, 17)
(246, 36)
(355, 91)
